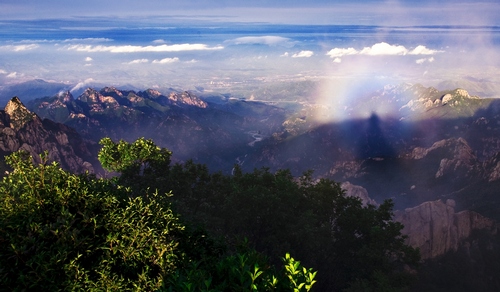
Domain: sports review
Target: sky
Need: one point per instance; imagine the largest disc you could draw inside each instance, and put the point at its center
(229, 45)
(368, 12)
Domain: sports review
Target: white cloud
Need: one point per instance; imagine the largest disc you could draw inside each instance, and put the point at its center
(134, 49)
(3, 71)
(340, 52)
(337, 60)
(159, 41)
(82, 84)
(422, 50)
(285, 54)
(88, 59)
(19, 48)
(423, 60)
(14, 75)
(381, 49)
(36, 41)
(166, 61)
(303, 54)
(88, 40)
(262, 40)
(138, 61)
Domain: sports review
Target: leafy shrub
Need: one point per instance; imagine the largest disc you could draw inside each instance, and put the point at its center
(60, 231)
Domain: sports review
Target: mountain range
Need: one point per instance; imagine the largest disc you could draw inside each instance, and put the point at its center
(213, 133)
(417, 145)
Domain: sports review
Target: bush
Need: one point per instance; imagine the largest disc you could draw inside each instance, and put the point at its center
(60, 231)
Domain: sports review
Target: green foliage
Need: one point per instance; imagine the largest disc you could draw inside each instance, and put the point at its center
(245, 271)
(139, 163)
(60, 231)
(348, 243)
(137, 158)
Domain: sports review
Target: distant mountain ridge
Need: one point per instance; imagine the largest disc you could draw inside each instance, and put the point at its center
(212, 133)
(428, 144)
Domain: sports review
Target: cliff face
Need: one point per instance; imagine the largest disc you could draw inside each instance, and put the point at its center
(22, 129)
(435, 228)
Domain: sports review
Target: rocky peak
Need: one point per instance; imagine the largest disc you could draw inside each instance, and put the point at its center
(23, 129)
(435, 228)
(90, 95)
(65, 97)
(431, 103)
(455, 97)
(186, 98)
(111, 90)
(18, 114)
(98, 102)
(153, 93)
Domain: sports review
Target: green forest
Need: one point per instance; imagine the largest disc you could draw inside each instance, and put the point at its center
(153, 225)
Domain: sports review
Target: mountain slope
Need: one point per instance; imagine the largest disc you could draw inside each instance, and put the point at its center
(22, 129)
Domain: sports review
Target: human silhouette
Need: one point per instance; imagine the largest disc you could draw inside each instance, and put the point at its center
(373, 143)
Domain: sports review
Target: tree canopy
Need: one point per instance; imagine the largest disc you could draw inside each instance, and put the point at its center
(158, 226)
(351, 245)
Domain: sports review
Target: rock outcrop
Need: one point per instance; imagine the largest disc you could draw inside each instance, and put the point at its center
(23, 129)
(358, 192)
(18, 115)
(186, 98)
(456, 156)
(435, 228)
(492, 168)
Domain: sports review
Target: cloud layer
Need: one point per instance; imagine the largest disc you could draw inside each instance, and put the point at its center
(19, 48)
(166, 61)
(303, 54)
(262, 40)
(139, 49)
(381, 49)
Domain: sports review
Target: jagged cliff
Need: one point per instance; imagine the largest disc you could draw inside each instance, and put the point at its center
(435, 228)
(23, 129)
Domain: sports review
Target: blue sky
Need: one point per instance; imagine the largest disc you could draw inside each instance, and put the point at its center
(391, 12)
